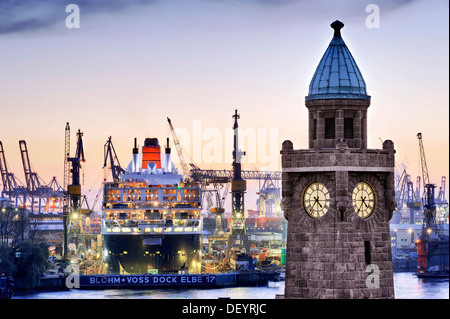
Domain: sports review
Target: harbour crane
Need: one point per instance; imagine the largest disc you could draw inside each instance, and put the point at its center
(110, 154)
(406, 196)
(183, 164)
(430, 247)
(66, 156)
(74, 188)
(238, 188)
(428, 194)
(74, 213)
(36, 187)
(12, 186)
(441, 196)
(31, 178)
(269, 199)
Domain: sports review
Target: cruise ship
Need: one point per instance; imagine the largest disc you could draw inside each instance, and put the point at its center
(151, 217)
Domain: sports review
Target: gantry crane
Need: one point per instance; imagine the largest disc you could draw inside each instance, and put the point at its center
(31, 178)
(406, 196)
(226, 175)
(36, 188)
(267, 191)
(441, 196)
(269, 198)
(12, 186)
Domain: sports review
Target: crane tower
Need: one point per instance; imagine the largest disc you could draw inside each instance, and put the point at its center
(428, 194)
(238, 188)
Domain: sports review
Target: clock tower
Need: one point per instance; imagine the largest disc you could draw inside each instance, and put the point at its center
(338, 195)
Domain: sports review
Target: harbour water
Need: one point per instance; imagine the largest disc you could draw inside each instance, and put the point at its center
(406, 287)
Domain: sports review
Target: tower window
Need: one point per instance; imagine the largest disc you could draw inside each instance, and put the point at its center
(329, 128)
(315, 129)
(367, 253)
(348, 128)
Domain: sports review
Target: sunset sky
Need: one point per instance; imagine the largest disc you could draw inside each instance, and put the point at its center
(132, 64)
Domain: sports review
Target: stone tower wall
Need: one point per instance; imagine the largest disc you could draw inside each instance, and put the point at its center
(328, 257)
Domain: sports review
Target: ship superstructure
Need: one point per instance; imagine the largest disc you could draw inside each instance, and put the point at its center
(151, 217)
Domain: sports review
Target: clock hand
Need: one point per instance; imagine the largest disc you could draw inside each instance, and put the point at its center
(363, 201)
(359, 208)
(317, 201)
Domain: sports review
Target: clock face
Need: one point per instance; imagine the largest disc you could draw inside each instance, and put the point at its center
(316, 200)
(363, 199)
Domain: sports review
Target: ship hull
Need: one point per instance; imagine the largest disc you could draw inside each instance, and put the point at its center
(137, 254)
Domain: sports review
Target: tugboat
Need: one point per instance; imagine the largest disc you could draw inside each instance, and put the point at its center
(151, 216)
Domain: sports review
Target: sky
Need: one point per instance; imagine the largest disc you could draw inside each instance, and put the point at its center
(131, 64)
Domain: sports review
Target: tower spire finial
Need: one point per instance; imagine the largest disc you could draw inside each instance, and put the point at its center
(337, 26)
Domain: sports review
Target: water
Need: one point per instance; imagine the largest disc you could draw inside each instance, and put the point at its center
(409, 287)
(405, 284)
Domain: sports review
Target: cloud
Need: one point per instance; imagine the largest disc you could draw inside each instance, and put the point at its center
(28, 15)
